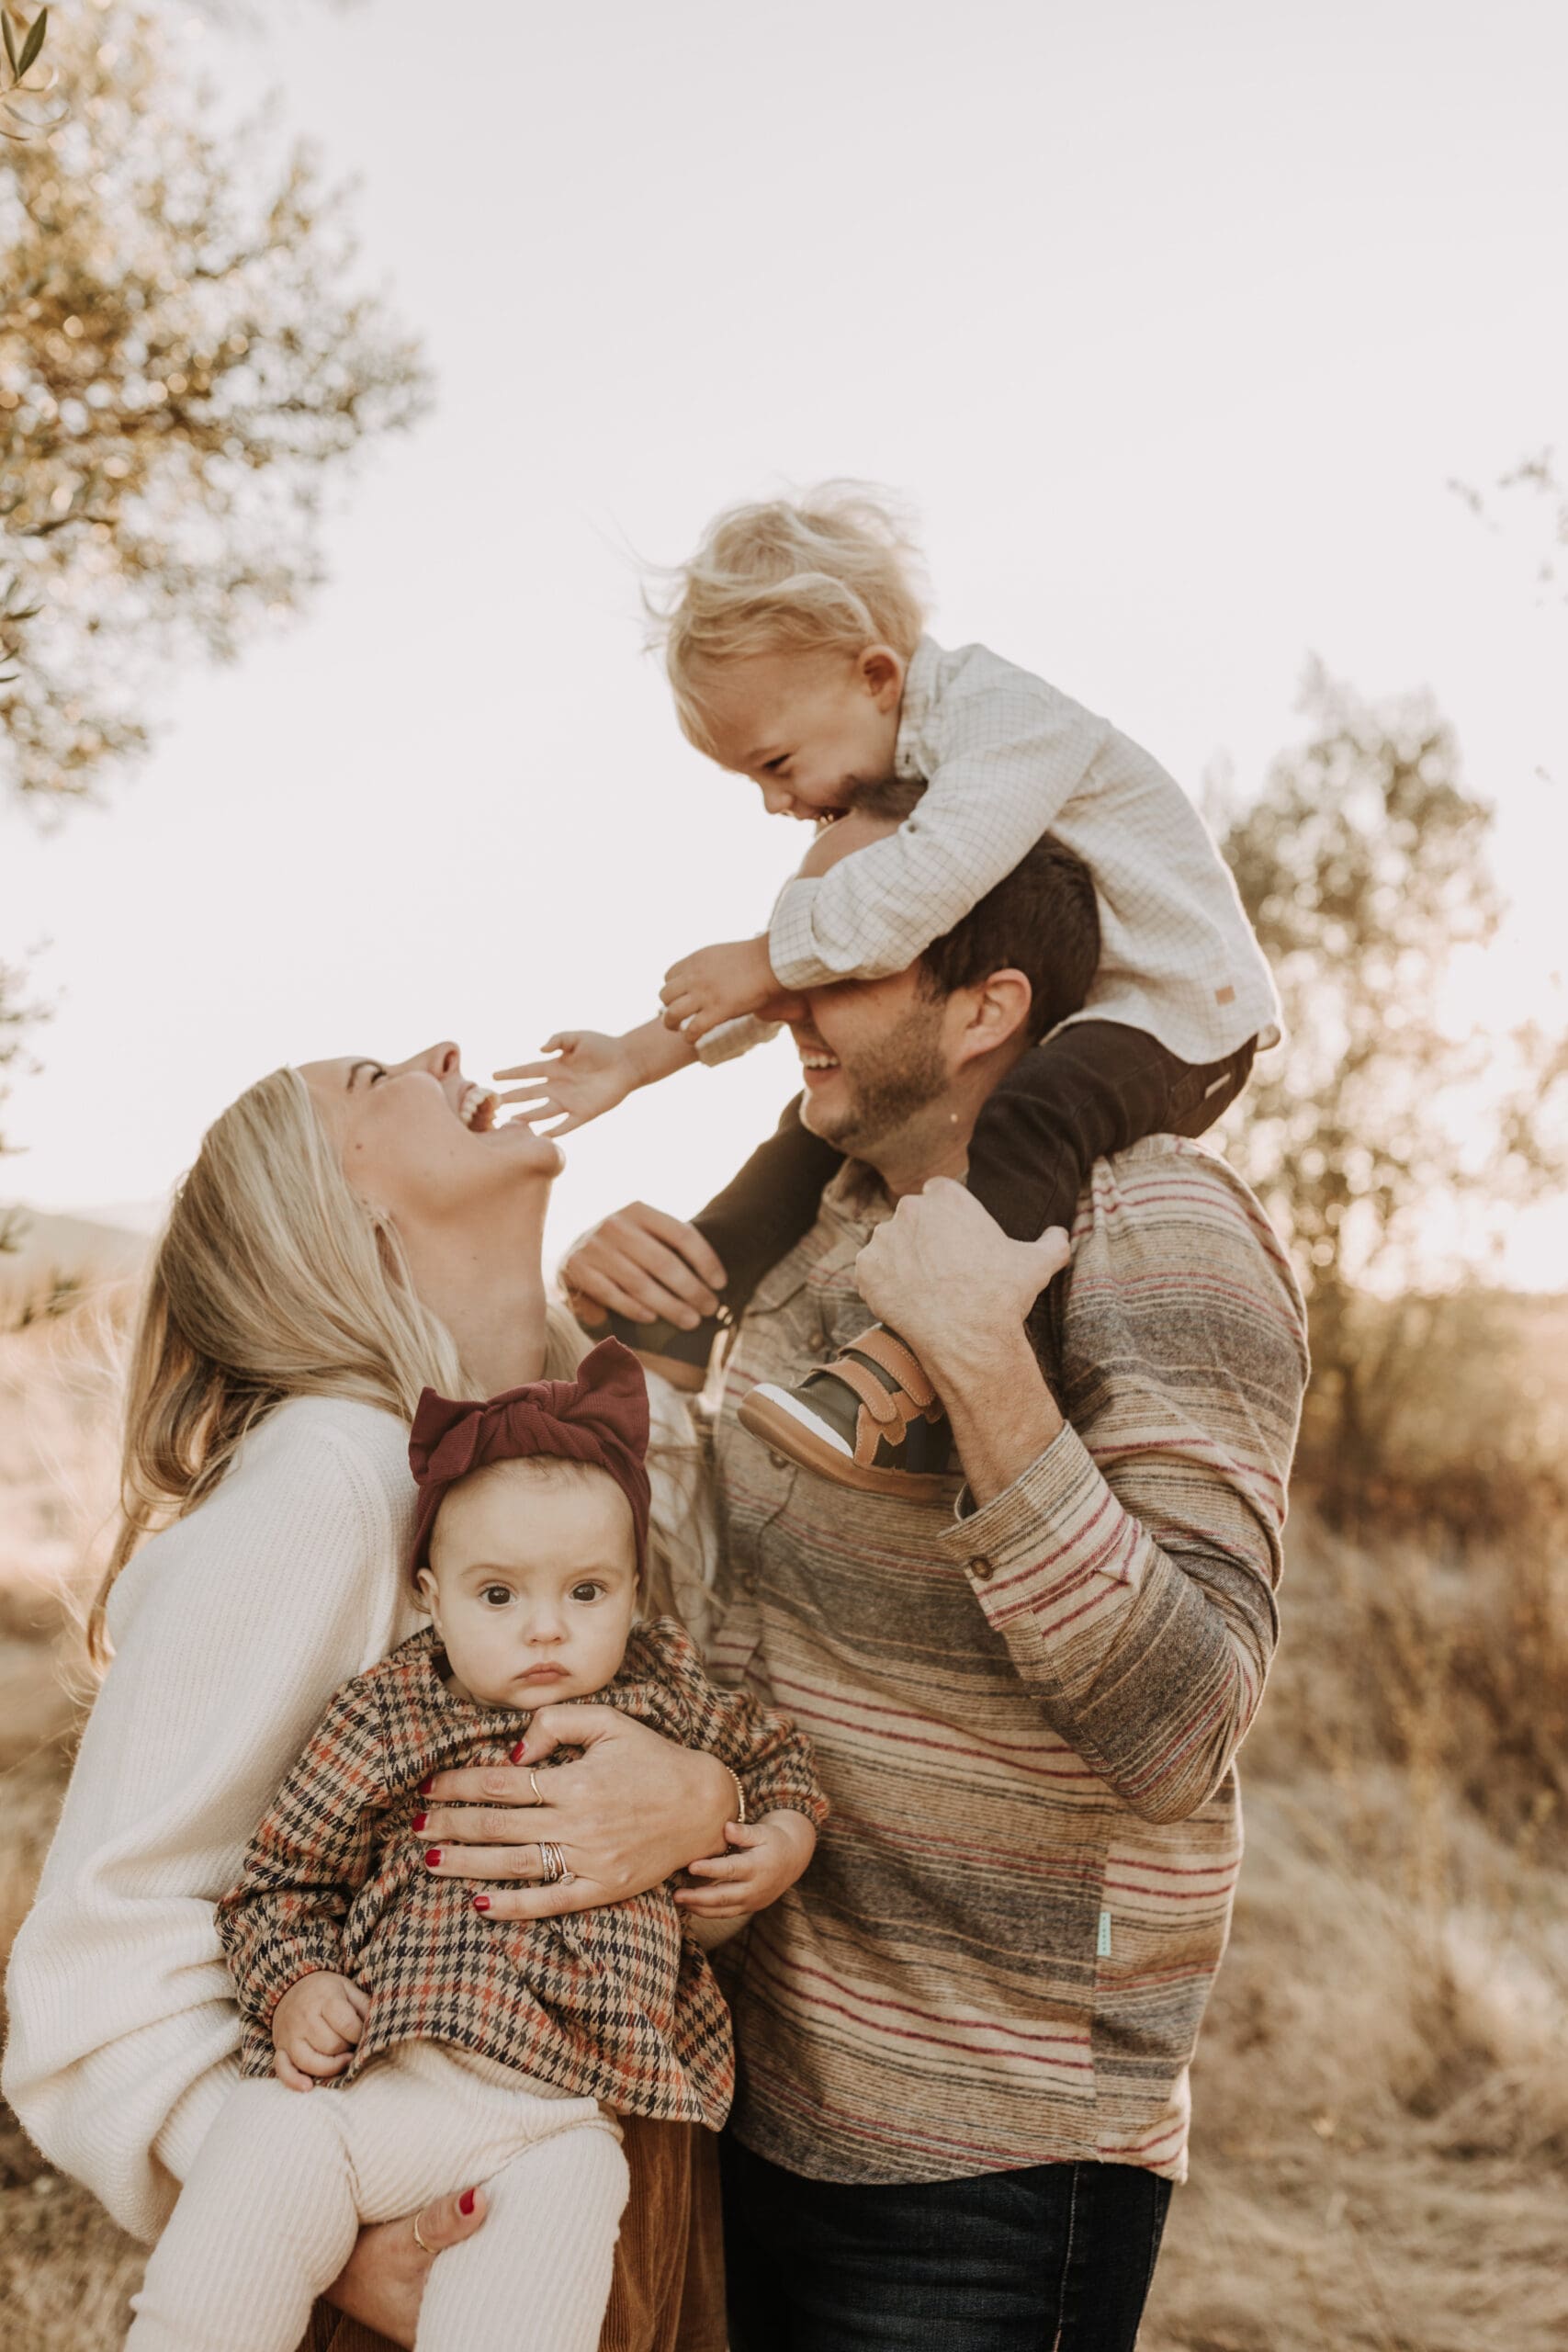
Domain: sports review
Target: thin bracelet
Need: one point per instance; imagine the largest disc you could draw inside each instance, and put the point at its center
(740, 1798)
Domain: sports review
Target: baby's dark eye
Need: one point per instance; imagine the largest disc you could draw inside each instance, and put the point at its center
(496, 1596)
(586, 1591)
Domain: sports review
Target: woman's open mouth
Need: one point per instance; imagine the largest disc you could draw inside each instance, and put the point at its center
(477, 1109)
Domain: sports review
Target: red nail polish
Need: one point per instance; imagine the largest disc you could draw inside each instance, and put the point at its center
(465, 2202)
(481, 1902)
(433, 1856)
(517, 1751)
(420, 1819)
(425, 1784)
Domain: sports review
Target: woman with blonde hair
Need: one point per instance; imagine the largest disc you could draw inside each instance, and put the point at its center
(351, 1232)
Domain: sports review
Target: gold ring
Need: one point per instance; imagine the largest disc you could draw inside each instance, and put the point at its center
(552, 1861)
(533, 1784)
(419, 2241)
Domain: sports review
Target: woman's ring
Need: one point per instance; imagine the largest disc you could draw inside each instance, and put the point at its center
(419, 2241)
(533, 1784)
(552, 1861)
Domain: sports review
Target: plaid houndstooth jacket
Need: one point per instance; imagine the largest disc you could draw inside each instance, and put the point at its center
(616, 2003)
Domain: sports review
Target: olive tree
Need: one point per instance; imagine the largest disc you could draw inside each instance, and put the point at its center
(1364, 866)
(185, 363)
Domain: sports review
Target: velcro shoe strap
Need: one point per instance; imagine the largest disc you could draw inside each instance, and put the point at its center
(885, 1413)
(886, 1348)
(878, 1398)
(882, 1411)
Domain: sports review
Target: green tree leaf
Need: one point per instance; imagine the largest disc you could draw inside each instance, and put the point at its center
(33, 42)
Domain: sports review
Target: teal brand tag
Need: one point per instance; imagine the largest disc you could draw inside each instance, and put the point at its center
(1103, 1941)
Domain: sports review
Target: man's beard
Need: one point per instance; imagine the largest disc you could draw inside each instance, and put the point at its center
(890, 1082)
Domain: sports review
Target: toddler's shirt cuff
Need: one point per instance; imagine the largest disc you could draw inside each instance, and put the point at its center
(734, 1037)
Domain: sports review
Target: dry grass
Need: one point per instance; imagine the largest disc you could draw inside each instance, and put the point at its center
(1380, 2140)
(1381, 2144)
(65, 2271)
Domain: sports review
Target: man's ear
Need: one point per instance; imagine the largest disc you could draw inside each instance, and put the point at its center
(882, 675)
(999, 1010)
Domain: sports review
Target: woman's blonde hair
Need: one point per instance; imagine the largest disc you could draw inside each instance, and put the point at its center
(836, 569)
(272, 1280)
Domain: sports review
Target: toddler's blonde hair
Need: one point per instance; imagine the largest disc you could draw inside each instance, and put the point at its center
(835, 570)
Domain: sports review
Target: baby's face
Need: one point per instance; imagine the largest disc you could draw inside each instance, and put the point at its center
(807, 727)
(533, 1582)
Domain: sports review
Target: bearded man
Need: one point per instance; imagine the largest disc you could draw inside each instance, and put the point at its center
(965, 2035)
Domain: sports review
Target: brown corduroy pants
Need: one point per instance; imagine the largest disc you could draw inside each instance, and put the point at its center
(668, 2294)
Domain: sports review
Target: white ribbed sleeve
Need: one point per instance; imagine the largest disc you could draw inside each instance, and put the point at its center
(230, 1631)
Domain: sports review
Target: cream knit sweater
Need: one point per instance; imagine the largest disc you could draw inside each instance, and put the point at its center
(230, 1631)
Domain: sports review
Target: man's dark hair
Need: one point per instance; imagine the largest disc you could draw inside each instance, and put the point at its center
(1041, 920)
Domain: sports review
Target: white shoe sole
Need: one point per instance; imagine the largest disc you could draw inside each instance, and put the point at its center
(771, 1414)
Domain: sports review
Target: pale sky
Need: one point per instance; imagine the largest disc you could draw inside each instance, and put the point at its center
(1173, 322)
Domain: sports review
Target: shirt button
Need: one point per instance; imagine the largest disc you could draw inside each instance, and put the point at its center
(779, 1461)
(980, 1567)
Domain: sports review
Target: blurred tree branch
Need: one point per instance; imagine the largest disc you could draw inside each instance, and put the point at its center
(1535, 489)
(15, 1018)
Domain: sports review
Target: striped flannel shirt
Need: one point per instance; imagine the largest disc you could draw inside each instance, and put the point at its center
(1006, 758)
(1025, 1716)
(616, 2004)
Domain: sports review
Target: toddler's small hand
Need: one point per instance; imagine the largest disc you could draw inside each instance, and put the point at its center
(765, 1857)
(717, 984)
(315, 2026)
(589, 1073)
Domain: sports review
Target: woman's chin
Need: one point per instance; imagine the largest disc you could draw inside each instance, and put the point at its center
(524, 1152)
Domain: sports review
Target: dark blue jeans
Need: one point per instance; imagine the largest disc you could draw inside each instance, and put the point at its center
(1055, 2259)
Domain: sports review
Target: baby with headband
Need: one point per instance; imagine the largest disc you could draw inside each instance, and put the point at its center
(456, 2048)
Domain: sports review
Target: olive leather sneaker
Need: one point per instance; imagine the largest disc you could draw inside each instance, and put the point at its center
(870, 1420)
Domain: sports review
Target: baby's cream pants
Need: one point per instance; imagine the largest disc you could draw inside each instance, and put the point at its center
(285, 2179)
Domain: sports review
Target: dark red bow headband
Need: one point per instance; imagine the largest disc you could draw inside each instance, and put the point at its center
(599, 1417)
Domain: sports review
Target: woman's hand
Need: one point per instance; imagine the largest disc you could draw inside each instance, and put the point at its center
(382, 2283)
(628, 1813)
